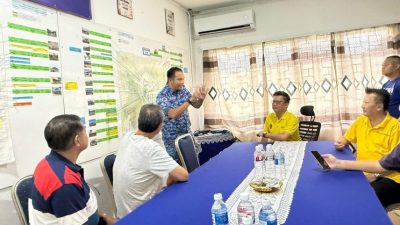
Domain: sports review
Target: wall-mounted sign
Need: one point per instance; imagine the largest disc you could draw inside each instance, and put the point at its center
(170, 22)
(125, 8)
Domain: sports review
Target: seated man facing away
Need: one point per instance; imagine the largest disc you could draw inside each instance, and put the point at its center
(390, 162)
(280, 125)
(60, 194)
(376, 133)
(142, 167)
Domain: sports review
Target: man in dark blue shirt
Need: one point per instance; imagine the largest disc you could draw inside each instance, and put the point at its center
(60, 194)
(391, 69)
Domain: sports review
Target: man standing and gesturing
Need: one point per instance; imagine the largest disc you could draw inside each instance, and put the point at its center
(174, 99)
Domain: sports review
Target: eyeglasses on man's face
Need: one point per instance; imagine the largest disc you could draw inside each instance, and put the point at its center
(277, 102)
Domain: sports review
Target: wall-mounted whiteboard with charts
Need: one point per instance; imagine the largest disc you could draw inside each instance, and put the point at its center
(89, 82)
(32, 75)
(53, 63)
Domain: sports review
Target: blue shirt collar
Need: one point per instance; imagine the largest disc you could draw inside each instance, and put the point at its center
(170, 91)
(56, 156)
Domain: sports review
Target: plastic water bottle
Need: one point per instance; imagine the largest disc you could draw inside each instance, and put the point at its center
(269, 162)
(280, 164)
(258, 163)
(245, 210)
(219, 211)
(267, 215)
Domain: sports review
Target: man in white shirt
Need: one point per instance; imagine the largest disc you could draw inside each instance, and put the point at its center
(142, 167)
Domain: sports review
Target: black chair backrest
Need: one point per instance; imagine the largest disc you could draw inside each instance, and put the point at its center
(309, 130)
(187, 152)
(308, 110)
(21, 193)
(108, 166)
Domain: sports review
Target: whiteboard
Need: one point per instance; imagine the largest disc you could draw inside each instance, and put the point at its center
(87, 60)
(34, 83)
(101, 74)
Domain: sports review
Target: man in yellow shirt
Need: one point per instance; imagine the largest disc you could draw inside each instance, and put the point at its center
(280, 125)
(376, 133)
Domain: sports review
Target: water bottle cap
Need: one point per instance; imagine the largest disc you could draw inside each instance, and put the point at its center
(217, 196)
(244, 196)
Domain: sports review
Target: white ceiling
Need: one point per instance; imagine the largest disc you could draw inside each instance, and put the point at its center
(209, 4)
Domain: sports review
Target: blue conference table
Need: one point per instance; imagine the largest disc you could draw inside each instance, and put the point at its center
(320, 198)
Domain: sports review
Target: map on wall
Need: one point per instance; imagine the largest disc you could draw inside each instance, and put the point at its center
(141, 74)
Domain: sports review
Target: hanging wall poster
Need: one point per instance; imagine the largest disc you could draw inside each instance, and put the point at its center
(125, 8)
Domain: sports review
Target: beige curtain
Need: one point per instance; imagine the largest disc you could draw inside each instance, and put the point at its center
(358, 59)
(303, 67)
(237, 94)
(327, 71)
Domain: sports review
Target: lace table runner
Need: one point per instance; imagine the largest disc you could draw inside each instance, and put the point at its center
(281, 200)
(216, 136)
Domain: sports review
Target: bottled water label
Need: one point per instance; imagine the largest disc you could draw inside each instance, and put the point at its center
(265, 221)
(246, 216)
(220, 218)
(245, 210)
(258, 163)
(267, 215)
(219, 211)
(247, 220)
(279, 161)
(279, 158)
(268, 223)
(263, 218)
(259, 157)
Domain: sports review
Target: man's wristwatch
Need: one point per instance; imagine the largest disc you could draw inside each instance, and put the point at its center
(188, 100)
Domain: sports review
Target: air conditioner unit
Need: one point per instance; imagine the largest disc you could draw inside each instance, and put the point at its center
(222, 23)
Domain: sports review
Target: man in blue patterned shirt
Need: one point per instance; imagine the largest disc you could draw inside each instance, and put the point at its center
(391, 69)
(174, 99)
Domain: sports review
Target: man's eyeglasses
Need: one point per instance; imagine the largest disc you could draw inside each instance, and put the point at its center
(277, 102)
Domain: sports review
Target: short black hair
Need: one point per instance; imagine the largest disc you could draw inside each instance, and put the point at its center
(395, 58)
(285, 96)
(60, 131)
(150, 118)
(171, 72)
(382, 96)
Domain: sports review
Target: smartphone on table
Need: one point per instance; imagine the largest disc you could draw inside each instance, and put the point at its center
(321, 161)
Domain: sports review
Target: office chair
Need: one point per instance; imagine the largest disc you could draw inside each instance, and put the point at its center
(106, 165)
(187, 153)
(309, 130)
(20, 194)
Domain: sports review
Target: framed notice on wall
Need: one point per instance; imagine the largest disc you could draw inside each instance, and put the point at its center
(170, 22)
(125, 8)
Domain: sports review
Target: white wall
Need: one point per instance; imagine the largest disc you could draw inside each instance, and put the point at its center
(149, 23)
(280, 19)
